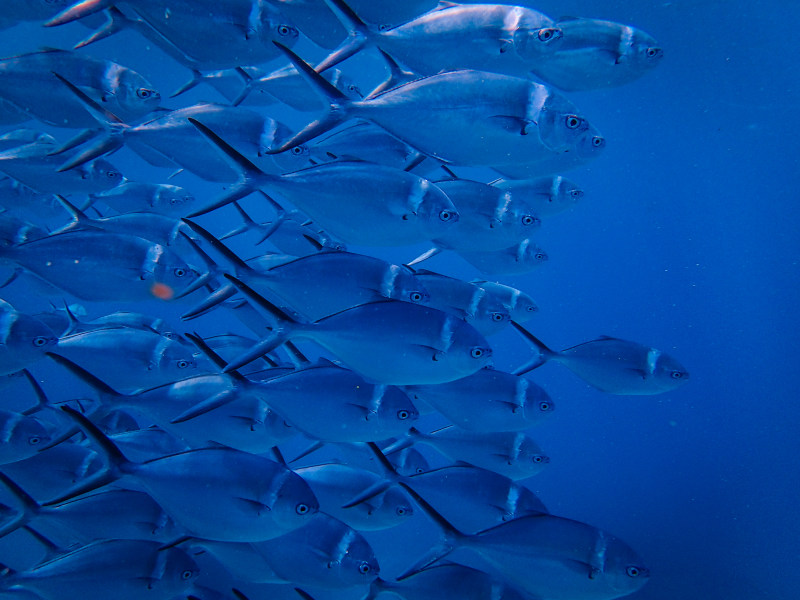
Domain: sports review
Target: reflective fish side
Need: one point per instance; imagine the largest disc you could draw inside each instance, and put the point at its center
(595, 54)
(436, 347)
(214, 493)
(613, 365)
(520, 305)
(28, 83)
(516, 260)
(132, 568)
(136, 196)
(487, 401)
(105, 266)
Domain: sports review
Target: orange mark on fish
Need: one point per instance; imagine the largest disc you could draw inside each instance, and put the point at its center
(162, 291)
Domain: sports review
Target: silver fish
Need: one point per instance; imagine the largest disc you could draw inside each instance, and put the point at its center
(613, 365)
(516, 260)
(545, 196)
(137, 196)
(23, 339)
(520, 305)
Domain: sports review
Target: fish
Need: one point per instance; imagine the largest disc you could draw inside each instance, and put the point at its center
(546, 196)
(513, 454)
(132, 568)
(515, 260)
(34, 166)
(436, 347)
(15, 11)
(487, 401)
(596, 54)
(519, 305)
(23, 339)
(339, 197)
(27, 82)
(485, 37)
(325, 554)
(365, 142)
(465, 300)
(214, 493)
(101, 266)
(466, 117)
(343, 280)
(613, 365)
(138, 196)
(334, 484)
(150, 359)
(241, 29)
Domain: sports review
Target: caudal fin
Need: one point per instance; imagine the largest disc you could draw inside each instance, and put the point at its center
(359, 35)
(544, 355)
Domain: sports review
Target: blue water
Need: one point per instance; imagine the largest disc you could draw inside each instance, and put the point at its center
(686, 240)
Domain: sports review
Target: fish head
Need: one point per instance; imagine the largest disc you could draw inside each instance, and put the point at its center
(432, 208)
(135, 94)
(171, 199)
(409, 461)
(294, 503)
(488, 309)
(103, 173)
(531, 44)
(400, 283)
(167, 272)
(174, 358)
(530, 255)
(396, 504)
(668, 372)
(638, 51)
(622, 569)
(22, 436)
(530, 457)
(173, 572)
(393, 408)
(275, 26)
(27, 335)
(564, 192)
(293, 159)
(357, 565)
(344, 84)
(468, 352)
(562, 128)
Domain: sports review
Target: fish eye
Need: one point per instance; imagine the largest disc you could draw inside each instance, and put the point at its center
(144, 93)
(598, 142)
(573, 121)
(383, 27)
(112, 174)
(531, 308)
(544, 406)
(34, 440)
(576, 193)
(653, 52)
(445, 215)
(633, 571)
(476, 352)
(528, 220)
(676, 375)
(182, 364)
(39, 341)
(403, 414)
(301, 509)
(538, 459)
(545, 35)
(415, 296)
(540, 256)
(187, 574)
(364, 568)
(179, 272)
(284, 30)
(497, 317)
(400, 511)
(297, 150)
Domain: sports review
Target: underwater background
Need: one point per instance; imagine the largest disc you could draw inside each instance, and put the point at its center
(686, 240)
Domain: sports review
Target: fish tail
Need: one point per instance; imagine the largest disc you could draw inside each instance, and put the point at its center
(78, 11)
(30, 507)
(405, 442)
(197, 79)
(251, 177)
(117, 463)
(42, 401)
(116, 22)
(216, 298)
(359, 35)
(545, 353)
(338, 103)
(425, 256)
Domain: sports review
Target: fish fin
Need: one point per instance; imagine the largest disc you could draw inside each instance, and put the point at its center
(115, 23)
(426, 255)
(397, 76)
(83, 137)
(510, 124)
(451, 176)
(297, 357)
(310, 450)
(30, 507)
(197, 78)
(368, 494)
(207, 405)
(42, 401)
(338, 103)
(78, 11)
(567, 18)
(216, 298)
(408, 440)
(545, 352)
(229, 255)
(213, 356)
(99, 386)
(496, 181)
(359, 35)
(303, 594)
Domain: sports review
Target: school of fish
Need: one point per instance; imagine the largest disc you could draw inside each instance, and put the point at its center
(161, 470)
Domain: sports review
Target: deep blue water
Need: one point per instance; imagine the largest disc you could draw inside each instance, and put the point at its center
(686, 240)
